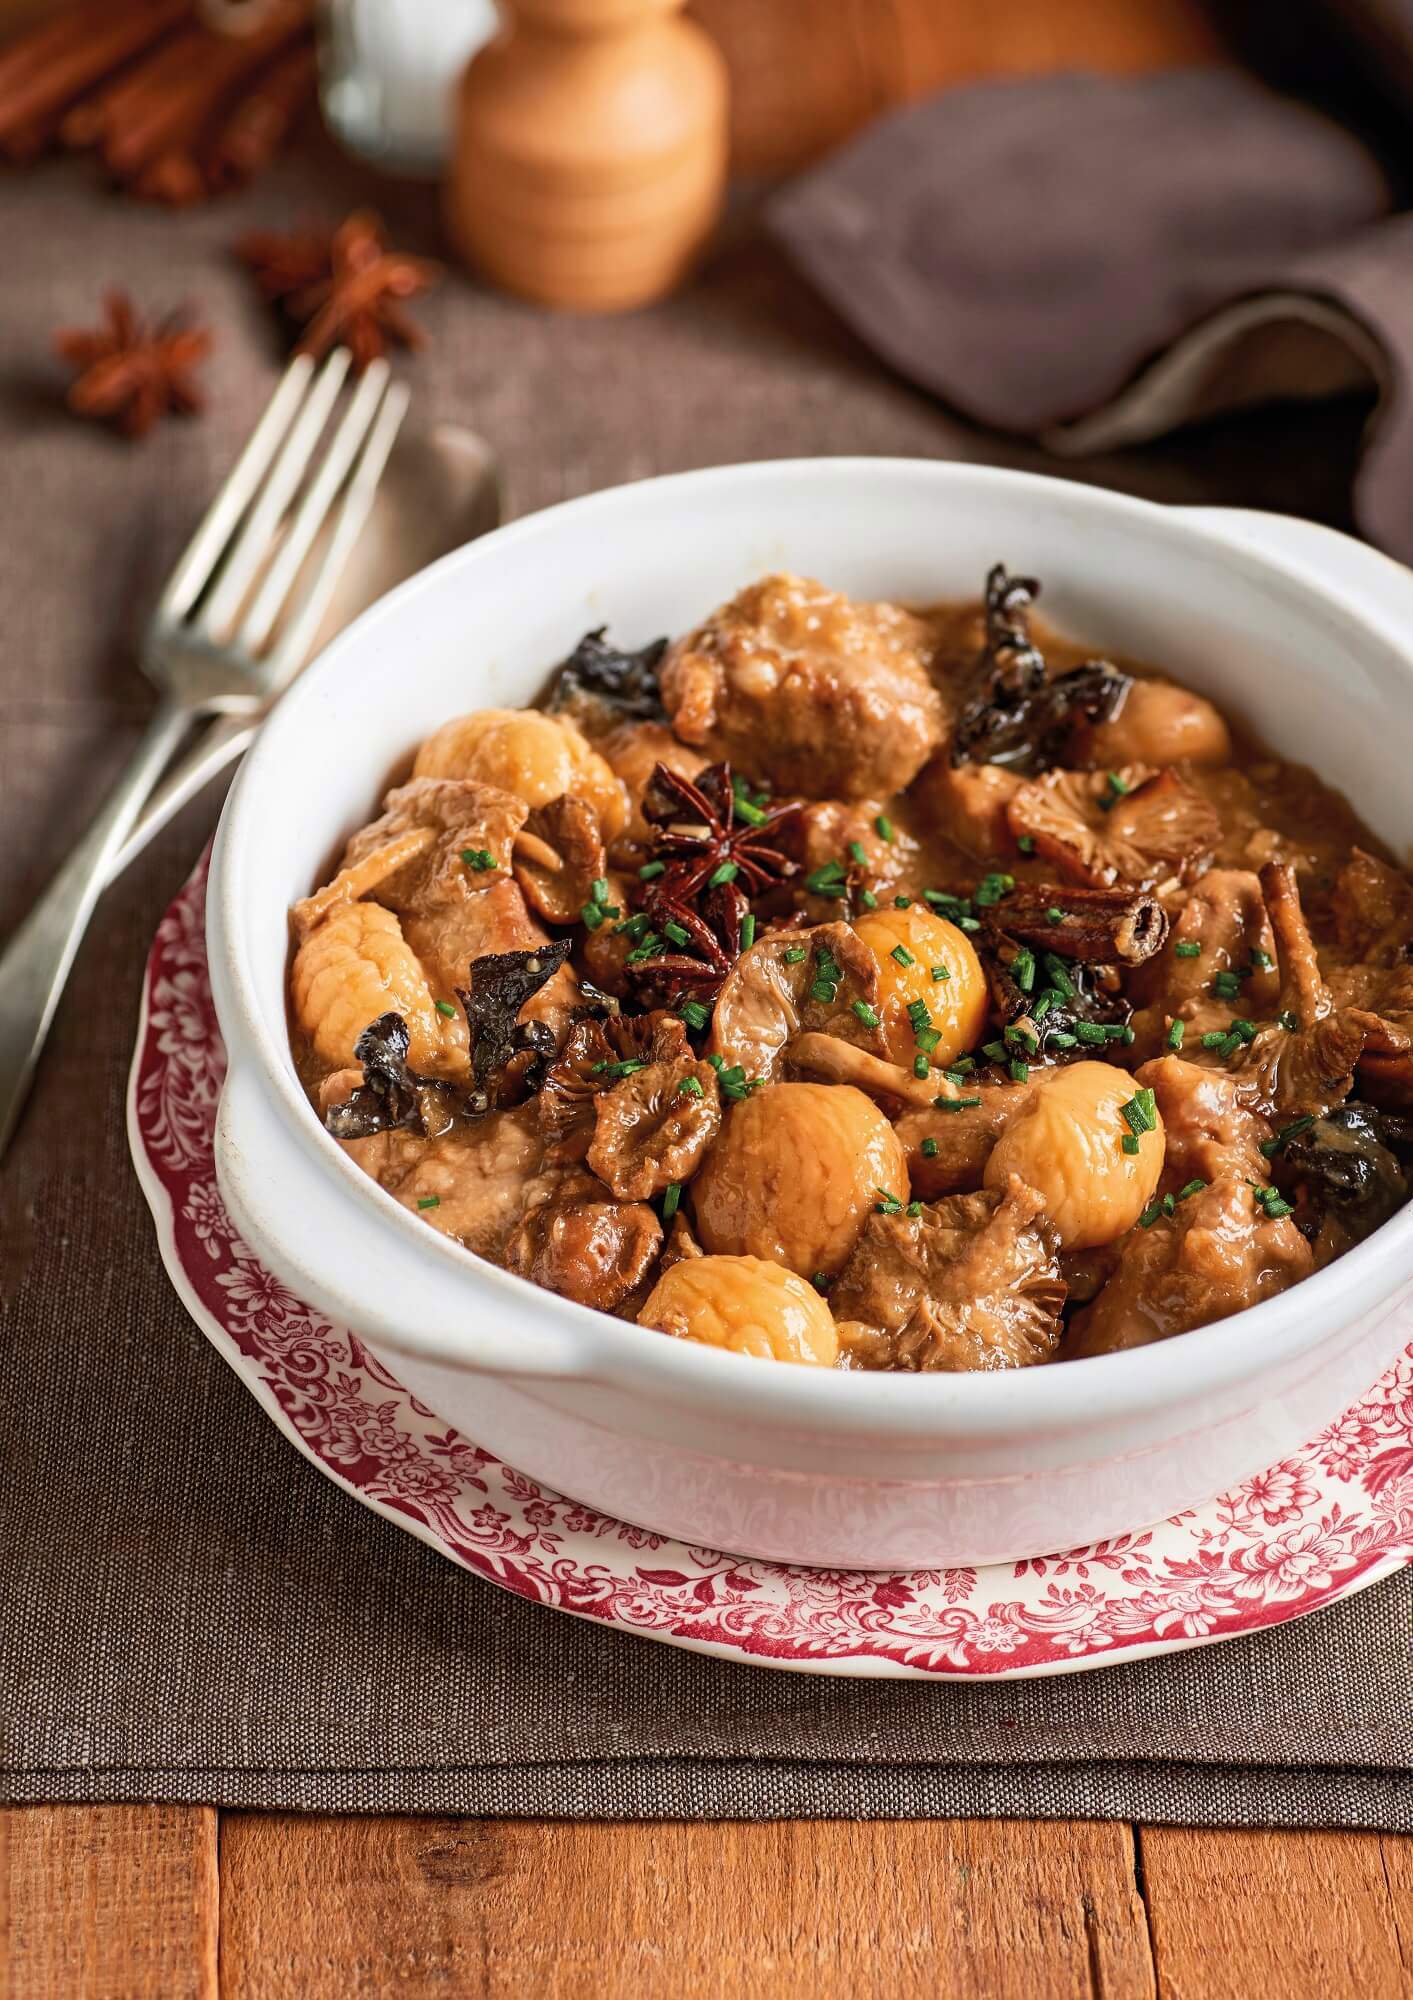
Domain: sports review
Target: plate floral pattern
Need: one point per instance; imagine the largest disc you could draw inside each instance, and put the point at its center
(1331, 1520)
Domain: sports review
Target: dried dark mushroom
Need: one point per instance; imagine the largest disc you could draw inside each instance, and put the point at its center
(509, 1056)
(1018, 716)
(627, 683)
(1343, 1173)
(391, 1096)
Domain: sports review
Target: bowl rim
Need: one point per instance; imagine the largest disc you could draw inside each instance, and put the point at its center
(596, 1347)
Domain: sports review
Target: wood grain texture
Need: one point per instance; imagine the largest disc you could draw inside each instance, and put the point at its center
(807, 73)
(352, 1909)
(108, 1903)
(1282, 1915)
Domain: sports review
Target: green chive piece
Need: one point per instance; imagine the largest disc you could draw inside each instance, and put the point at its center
(626, 1067)
(940, 972)
(676, 933)
(1226, 985)
(1150, 1214)
(920, 1065)
(1060, 1040)
(991, 888)
(727, 872)
(1261, 961)
(1058, 976)
(1026, 843)
(748, 930)
(694, 1014)
(888, 1204)
(821, 1281)
(927, 1038)
(857, 853)
(671, 1196)
(1289, 1021)
(1213, 1038)
(593, 915)
(865, 1013)
(650, 870)
(1270, 1147)
(743, 809)
(1020, 1072)
(1023, 969)
(902, 902)
(914, 1208)
(1090, 1033)
(430, 1201)
(1193, 1187)
(929, 1149)
(796, 955)
(883, 827)
(903, 956)
(689, 1087)
(598, 889)
(1184, 948)
(445, 1007)
(822, 881)
(868, 899)
(946, 903)
(963, 1066)
(996, 1051)
(1176, 1030)
(956, 1103)
(1054, 917)
(1129, 1143)
(1116, 790)
(479, 858)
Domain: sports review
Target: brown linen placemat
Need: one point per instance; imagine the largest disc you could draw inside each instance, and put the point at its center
(188, 1610)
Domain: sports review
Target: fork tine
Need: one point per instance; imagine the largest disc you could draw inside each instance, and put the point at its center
(310, 515)
(194, 567)
(253, 541)
(298, 635)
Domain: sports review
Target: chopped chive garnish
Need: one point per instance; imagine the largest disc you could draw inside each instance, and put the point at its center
(991, 888)
(1026, 843)
(743, 809)
(1023, 969)
(430, 1201)
(963, 1066)
(1127, 1035)
(865, 1013)
(1150, 1214)
(445, 1007)
(479, 858)
(598, 889)
(1054, 917)
(632, 927)
(948, 904)
(650, 943)
(914, 1208)
(1116, 790)
(920, 1064)
(868, 899)
(694, 1014)
(1193, 1187)
(748, 930)
(968, 924)
(1273, 1201)
(919, 1013)
(676, 933)
(1140, 1113)
(1261, 961)
(1129, 1142)
(927, 1039)
(671, 1195)
(888, 1204)
(821, 881)
(1057, 975)
(883, 827)
(857, 853)
(593, 915)
(650, 870)
(940, 972)
(1226, 985)
(1060, 1040)
(796, 955)
(1289, 1021)
(1184, 948)
(1176, 1030)
(1090, 1033)
(955, 1103)
(1270, 1147)
(903, 956)
(626, 1067)
(825, 992)
(996, 1051)
(1018, 1037)
(902, 902)
(821, 1281)
(1020, 1072)
(1214, 1038)
(929, 1149)
(718, 877)
(689, 1087)
(718, 1063)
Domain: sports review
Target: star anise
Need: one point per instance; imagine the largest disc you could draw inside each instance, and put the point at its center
(717, 847)
(132, 372)
(347, 287)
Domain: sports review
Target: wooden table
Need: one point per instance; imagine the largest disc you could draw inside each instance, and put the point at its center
(183, 1903)
(172, 1903)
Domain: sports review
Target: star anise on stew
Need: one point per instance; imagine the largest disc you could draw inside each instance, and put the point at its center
(716, 849)
(345, 288)
(131, 372)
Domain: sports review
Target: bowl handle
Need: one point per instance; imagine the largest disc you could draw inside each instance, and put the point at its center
(395, 1282)
(1382, 588)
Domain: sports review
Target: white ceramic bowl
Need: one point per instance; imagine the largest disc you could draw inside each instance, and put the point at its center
(1297, 631)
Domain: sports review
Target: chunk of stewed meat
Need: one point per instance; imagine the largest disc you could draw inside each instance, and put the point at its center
(584, 1245)
(803, 687)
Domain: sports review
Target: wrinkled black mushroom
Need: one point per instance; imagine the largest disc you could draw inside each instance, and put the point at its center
(1067, 1012)
(391, 1095)
(508, 1056)
(625, 682)
(1344, 1171)
(1016, 715)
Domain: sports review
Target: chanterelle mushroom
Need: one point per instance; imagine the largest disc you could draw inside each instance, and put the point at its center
(792, 980)
(970, 1283)
(1136, 825)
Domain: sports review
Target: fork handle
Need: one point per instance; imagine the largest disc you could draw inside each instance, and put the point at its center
(36, 962)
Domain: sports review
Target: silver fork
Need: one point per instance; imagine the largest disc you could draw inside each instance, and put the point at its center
(212, 648)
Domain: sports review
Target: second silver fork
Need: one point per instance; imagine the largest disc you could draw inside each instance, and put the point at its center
(230, 630)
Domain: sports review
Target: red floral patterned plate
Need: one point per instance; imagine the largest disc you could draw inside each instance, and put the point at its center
(1329, 1521)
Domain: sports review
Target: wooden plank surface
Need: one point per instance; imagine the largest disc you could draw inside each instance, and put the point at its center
(330, 1909)
(108, 1903)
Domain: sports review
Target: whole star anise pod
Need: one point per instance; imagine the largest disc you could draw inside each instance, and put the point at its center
(348, 287)
(131, 372)
(717, 849)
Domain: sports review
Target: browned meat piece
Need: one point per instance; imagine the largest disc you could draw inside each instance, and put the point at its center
(1212, 1131)
(471, 1184)
(1136, 825)
(830, 829)
(1224, 917)
(559, 855)
(799, 685)
(964, 1140)
(1373, 910)
(633, 751)
(653, 1127)
(584, 1245)
(1218, 1253)
(969, 804)
(1086, 1272)
(1342, 1175)
(789, 981)
(971, 1283)
(575, 1081)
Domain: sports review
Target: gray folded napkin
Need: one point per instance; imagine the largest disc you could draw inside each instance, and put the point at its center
(1095, 261)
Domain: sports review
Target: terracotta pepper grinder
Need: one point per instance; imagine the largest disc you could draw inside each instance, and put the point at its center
(590, 157)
